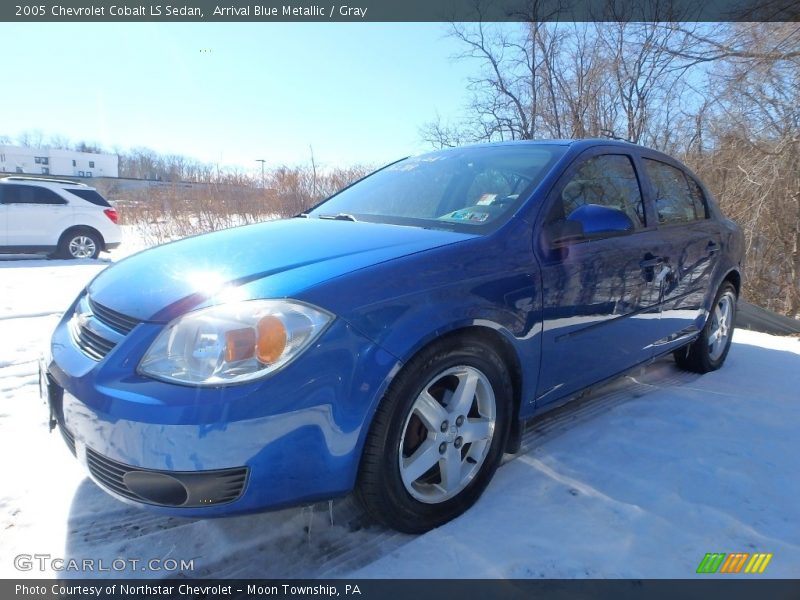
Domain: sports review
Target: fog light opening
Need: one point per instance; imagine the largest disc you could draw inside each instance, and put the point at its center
(158, 488)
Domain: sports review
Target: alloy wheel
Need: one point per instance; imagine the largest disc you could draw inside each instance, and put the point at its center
(447, 434)
(82, 246)
(721, 326)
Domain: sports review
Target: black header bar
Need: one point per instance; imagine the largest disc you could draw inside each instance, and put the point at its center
(398, 10)
(382, 589)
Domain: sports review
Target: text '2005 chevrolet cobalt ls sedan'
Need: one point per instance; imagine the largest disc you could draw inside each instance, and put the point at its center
(394, 339)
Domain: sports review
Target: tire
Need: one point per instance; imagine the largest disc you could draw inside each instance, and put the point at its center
(421, 422)
(708, 352)
(79, 243)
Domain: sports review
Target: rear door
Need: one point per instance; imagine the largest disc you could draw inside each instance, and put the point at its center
(689, 244)
(600, 299)
(36, 216)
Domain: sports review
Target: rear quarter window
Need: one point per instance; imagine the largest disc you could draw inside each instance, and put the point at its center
(698, 198)
(90, 196)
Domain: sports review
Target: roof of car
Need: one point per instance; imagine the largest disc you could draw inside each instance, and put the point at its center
(587, 142)
(44, 181)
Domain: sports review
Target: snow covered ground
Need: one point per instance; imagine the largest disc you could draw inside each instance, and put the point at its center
(640, 480)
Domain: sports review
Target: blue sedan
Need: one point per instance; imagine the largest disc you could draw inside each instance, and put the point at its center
(395, 339)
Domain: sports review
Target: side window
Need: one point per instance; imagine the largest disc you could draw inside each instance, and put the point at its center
(698, 198)
(608, 180)
(29, 194)
(45, 196)
(18, 194)
(675, 203)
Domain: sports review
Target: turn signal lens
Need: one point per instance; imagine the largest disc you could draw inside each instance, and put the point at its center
(271, 340)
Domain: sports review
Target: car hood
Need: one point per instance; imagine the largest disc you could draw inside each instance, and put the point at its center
(288, 256)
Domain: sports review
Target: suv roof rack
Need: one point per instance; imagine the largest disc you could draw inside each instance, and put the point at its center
(46, 180)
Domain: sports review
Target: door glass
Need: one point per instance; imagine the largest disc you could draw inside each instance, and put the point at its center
(45, 196)
(674, 201)
(19, 194)
(608, 180)
(698, 199)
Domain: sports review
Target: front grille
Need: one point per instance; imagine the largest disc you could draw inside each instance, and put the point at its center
(91, 344)
(112, 323)
(69, 439)
(199, 488)
(109, 472)
(111, 318)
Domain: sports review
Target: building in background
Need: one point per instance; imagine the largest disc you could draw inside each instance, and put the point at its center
(49, 161)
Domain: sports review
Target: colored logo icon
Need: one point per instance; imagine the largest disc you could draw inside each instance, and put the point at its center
(738, 562)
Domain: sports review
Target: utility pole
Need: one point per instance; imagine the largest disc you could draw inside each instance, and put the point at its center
(262, 161)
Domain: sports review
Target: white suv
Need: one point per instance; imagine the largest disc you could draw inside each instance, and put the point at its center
(60, 217)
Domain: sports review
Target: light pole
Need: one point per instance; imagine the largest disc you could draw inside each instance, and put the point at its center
(262, 161)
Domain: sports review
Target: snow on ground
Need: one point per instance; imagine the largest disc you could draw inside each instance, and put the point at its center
(640, 480)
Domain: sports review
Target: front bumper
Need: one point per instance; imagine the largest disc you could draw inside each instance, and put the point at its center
(297, 435)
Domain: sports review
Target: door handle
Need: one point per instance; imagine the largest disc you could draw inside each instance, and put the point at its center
(650, 263)
(712, 247)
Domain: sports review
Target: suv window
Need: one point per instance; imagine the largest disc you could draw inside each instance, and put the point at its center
(675, 201)
(90, 196)
(607, 180)
(29, 194)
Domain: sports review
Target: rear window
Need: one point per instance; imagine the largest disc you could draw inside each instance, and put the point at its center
(90, 196)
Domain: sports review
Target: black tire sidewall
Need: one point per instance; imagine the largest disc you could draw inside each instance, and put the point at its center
(404, 511)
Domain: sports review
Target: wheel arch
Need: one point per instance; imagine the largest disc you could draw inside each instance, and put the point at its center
(77, 228)
(499, 340)
(735, 278)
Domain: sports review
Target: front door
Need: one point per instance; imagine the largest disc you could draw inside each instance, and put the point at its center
(36, 216)
(600, 293)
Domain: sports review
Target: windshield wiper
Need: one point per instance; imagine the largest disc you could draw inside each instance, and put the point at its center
(339, 217)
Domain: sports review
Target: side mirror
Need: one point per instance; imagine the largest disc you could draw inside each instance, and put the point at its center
(596, 220)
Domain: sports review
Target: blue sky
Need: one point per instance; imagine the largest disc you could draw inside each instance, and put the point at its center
(356, 92)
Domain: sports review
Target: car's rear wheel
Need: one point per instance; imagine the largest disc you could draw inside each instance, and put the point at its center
(80, 243)
(709, 351)
(437, 437)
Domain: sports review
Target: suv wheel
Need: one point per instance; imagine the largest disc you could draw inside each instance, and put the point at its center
(80, 244)
(708, 352)
(437, 437)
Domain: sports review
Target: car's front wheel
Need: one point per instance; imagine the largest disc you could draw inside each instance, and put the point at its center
(437, 437)
(708, 352)
(80, 243)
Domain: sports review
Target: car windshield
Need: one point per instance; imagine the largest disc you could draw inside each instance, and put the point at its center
(473, 189)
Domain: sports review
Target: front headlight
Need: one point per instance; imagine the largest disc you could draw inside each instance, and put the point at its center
(232, 343)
